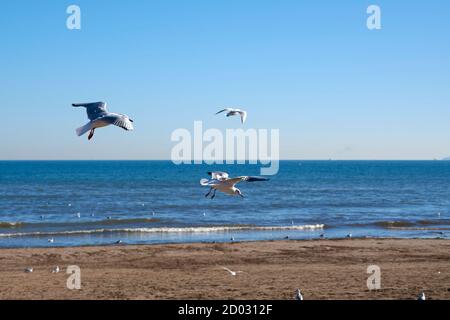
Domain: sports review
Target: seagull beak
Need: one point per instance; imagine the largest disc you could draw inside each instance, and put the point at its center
(131, 120)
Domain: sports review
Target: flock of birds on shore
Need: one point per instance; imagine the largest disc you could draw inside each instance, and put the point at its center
(298, 292)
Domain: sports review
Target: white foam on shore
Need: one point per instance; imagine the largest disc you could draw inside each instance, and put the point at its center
(216, 229)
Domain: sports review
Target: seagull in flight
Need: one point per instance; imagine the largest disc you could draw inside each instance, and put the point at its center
(233, 112)
(233, 273)
(100, 117)
(222, 182)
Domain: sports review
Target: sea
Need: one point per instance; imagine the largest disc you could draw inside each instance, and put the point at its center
(85, 203)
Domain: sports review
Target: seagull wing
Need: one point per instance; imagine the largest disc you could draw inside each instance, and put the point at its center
(225, 268)
(218, 175)
(124, 123)
(234, 181)
(94, 110)
(225, 110)
(210, 182)
(243, 116)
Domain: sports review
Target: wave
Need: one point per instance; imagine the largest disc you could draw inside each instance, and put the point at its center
(208, 229)
(8, 225)
(408, 225)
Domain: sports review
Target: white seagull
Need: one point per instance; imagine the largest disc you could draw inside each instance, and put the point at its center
(421, 296)
(100, 117)
(221, 181)
(55, 269)
(233, 273)
(298, 295)
(233, 112)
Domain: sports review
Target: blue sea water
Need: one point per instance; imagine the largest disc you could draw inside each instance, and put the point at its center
(137, 202)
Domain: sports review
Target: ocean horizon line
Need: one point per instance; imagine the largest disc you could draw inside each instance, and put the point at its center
(224, 161)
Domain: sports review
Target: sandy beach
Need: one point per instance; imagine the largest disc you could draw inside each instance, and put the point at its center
(323, 269)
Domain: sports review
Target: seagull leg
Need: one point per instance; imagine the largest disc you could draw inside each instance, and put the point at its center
(206, 195)
(91, 134)
(214, 194)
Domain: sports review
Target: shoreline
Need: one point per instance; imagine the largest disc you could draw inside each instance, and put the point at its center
(323, 269)
(206, 242)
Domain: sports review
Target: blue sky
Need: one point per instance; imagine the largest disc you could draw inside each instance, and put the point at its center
(309, 68)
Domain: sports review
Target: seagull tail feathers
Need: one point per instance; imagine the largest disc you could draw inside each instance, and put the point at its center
(204, 182)
(82, 130)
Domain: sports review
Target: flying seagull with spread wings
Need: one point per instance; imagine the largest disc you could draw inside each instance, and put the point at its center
(221, 181)
(233, 112)
(100, 117)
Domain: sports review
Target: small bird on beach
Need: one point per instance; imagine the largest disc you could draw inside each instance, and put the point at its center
(421, 296)
(232, 239)
(322, 236)
(349, 236)
(100, 117)
(298, 295)
(51, 240)
(118, 242)
(28, 270)
(55, 269)
(221, 181)
(233, 273)
(233, 112)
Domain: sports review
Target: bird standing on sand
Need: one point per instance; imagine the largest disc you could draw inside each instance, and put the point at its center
(28, 270)
(221, 181)
(298, 295)
(349, 236)
(100, 117)
(55, 269)
(421, 296)
(233, 112)
(233, 273)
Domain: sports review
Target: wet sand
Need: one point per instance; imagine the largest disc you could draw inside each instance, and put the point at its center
(323, 269)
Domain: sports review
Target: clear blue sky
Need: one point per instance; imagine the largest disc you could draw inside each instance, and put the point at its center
(310, 68)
